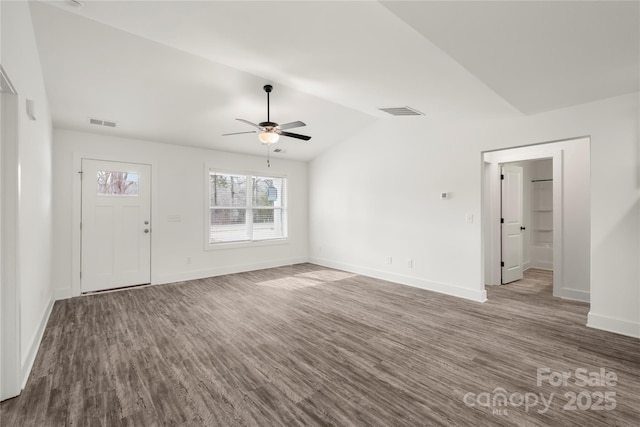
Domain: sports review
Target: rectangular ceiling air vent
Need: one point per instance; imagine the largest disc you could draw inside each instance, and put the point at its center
(401, 111)
(99, 122)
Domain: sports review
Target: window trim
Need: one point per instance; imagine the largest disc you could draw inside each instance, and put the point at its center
(208, 246)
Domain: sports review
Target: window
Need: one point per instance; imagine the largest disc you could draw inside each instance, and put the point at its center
(245, 208)
(110, 183)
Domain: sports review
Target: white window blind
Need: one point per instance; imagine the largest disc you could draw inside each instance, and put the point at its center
(246, 207)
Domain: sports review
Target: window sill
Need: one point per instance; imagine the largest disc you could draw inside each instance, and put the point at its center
(245, 244)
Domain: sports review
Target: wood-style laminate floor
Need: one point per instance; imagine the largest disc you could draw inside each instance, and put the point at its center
(307, 345)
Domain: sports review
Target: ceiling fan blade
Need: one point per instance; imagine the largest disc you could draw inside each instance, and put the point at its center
(295, 135)
(238, 133)
(249, 123)
(292, 125)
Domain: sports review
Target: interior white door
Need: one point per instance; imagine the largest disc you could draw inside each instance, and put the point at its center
(512, 227)
(116, 225)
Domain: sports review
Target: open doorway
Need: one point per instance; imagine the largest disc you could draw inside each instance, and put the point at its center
(526, 218)
(562, 230)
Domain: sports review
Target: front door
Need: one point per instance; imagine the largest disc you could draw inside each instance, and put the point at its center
(116, 225)
(512, 227)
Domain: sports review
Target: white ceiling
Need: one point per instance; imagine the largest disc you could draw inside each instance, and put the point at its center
(181, 72)
(537, 55)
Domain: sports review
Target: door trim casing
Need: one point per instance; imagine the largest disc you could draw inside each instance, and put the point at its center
(76, 215)
(11, 376)
(509, 155)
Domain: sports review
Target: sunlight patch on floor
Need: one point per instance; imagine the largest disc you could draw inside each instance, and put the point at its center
(327, 275)
(290, 283)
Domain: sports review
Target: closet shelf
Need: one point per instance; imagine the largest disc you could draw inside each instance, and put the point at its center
(541, 237)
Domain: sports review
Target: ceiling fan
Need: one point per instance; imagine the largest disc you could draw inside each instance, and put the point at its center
(269, 132)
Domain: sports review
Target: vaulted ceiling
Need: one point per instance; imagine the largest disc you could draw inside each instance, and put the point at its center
(181, 72)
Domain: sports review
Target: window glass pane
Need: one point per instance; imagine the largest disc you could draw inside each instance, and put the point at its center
(227, 190)
(267, 191)
(228, 225)
(268, 224)
(111, 183)
(246, 208)
(263, 216)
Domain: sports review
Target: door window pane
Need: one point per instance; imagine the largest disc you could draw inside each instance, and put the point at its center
(112, 183)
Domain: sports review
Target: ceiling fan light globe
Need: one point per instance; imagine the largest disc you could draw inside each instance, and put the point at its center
(268, 137)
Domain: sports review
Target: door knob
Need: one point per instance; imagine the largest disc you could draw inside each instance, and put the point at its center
(146, 230)
(146, 223)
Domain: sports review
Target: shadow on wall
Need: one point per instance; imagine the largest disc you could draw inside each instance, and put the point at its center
(623, 238)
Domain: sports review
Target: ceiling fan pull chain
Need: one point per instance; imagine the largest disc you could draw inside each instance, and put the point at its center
(268, 157)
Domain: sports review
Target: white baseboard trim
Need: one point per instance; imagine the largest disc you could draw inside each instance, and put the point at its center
(610, 324)
(34, 345)
(541, 265)
(529, 267)
(443, 288)
(575, 295)
(220, 271)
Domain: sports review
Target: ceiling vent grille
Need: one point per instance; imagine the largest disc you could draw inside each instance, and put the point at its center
(99, 122)
(401, 111)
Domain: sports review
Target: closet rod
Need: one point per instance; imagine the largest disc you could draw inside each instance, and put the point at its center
(541, 180)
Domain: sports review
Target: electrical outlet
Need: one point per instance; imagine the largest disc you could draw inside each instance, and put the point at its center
(389, 260)
(188, 260)
(410, 263)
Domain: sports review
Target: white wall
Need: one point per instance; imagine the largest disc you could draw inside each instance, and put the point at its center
(359, 214)
(177, 189)
(34, 245)
(541, 169)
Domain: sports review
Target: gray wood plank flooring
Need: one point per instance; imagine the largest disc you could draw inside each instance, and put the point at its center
(310, 346)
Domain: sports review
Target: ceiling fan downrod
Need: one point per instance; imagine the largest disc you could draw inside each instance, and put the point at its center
(268, 89)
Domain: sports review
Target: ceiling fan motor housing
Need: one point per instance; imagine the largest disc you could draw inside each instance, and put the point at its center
(267, 124)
